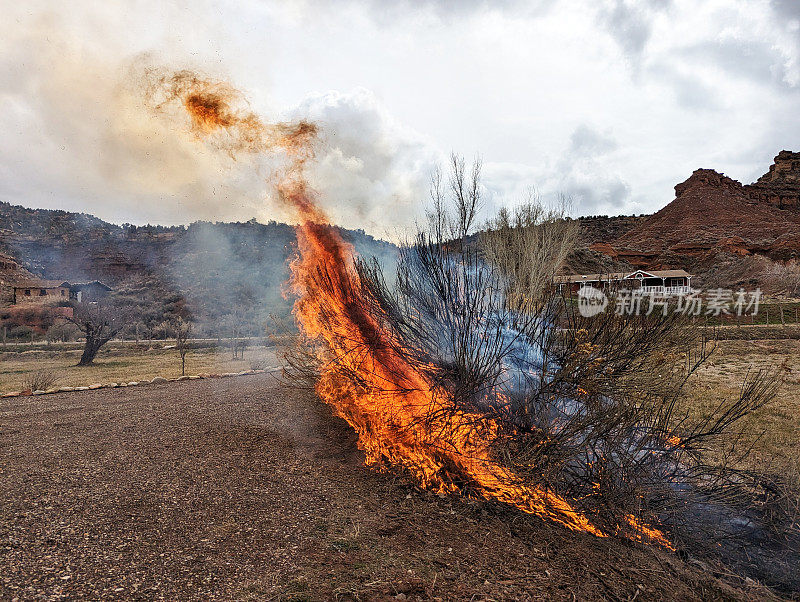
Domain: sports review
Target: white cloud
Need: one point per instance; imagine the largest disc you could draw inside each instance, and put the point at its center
(630, 22)
(612, 102)
(370, 170)
(584, 173)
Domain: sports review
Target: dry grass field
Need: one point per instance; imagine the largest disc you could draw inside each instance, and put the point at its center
(774, 431)
(124, 363)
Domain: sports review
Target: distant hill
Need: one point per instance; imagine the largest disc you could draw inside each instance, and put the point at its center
(712, 212)
(216, 267)
(716, 224)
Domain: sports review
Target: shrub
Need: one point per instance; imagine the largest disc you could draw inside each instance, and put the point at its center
(21, 333)
(475, 376)
(41, 380)
(63, 332)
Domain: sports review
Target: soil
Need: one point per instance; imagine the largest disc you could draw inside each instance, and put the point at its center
(242, 488)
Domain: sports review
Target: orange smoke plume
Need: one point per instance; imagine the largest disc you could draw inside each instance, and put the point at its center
(215, 107)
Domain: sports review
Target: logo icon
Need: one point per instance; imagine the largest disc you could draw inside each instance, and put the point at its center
(591, 301)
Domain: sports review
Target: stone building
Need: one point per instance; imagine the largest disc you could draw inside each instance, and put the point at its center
(88, 292)
(40, 292)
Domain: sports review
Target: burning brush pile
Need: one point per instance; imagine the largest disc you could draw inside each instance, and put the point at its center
(451, 373)
(466, 371)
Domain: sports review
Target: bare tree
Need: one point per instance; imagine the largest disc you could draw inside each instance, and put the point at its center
(99, 323)
(182, 331)
(62, 331)
(437, 214)
(455, 207)
(237, 323)
(466, 193)
(529, 244)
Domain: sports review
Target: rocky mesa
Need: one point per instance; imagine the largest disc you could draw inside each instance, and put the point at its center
(713, 214)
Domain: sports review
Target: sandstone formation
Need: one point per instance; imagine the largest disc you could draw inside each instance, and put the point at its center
(714, 214)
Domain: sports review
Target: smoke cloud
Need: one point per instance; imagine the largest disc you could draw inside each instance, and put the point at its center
(80, 136)
(368, 165)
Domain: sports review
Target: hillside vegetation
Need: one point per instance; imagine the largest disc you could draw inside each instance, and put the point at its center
(220, 272)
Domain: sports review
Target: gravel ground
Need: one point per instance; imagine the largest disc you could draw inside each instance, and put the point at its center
(241, 488)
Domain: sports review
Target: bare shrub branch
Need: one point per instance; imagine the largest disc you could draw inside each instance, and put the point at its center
(41, 380)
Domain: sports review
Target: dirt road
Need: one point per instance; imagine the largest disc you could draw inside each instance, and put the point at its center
(241, 488)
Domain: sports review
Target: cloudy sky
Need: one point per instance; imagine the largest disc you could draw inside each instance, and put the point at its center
(610, 102)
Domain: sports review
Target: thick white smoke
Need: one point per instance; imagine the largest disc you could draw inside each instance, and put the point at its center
(77, 135)
(372, 170)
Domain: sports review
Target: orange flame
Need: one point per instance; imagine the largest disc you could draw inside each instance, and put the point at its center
(208, 111)
(645, 533)
(398, 415)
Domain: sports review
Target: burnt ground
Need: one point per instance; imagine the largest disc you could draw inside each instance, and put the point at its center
(241, 488)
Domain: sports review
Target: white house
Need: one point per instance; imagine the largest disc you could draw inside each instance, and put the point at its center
(663, 282)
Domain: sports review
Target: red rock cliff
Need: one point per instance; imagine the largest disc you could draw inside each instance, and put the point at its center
(713, 213)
